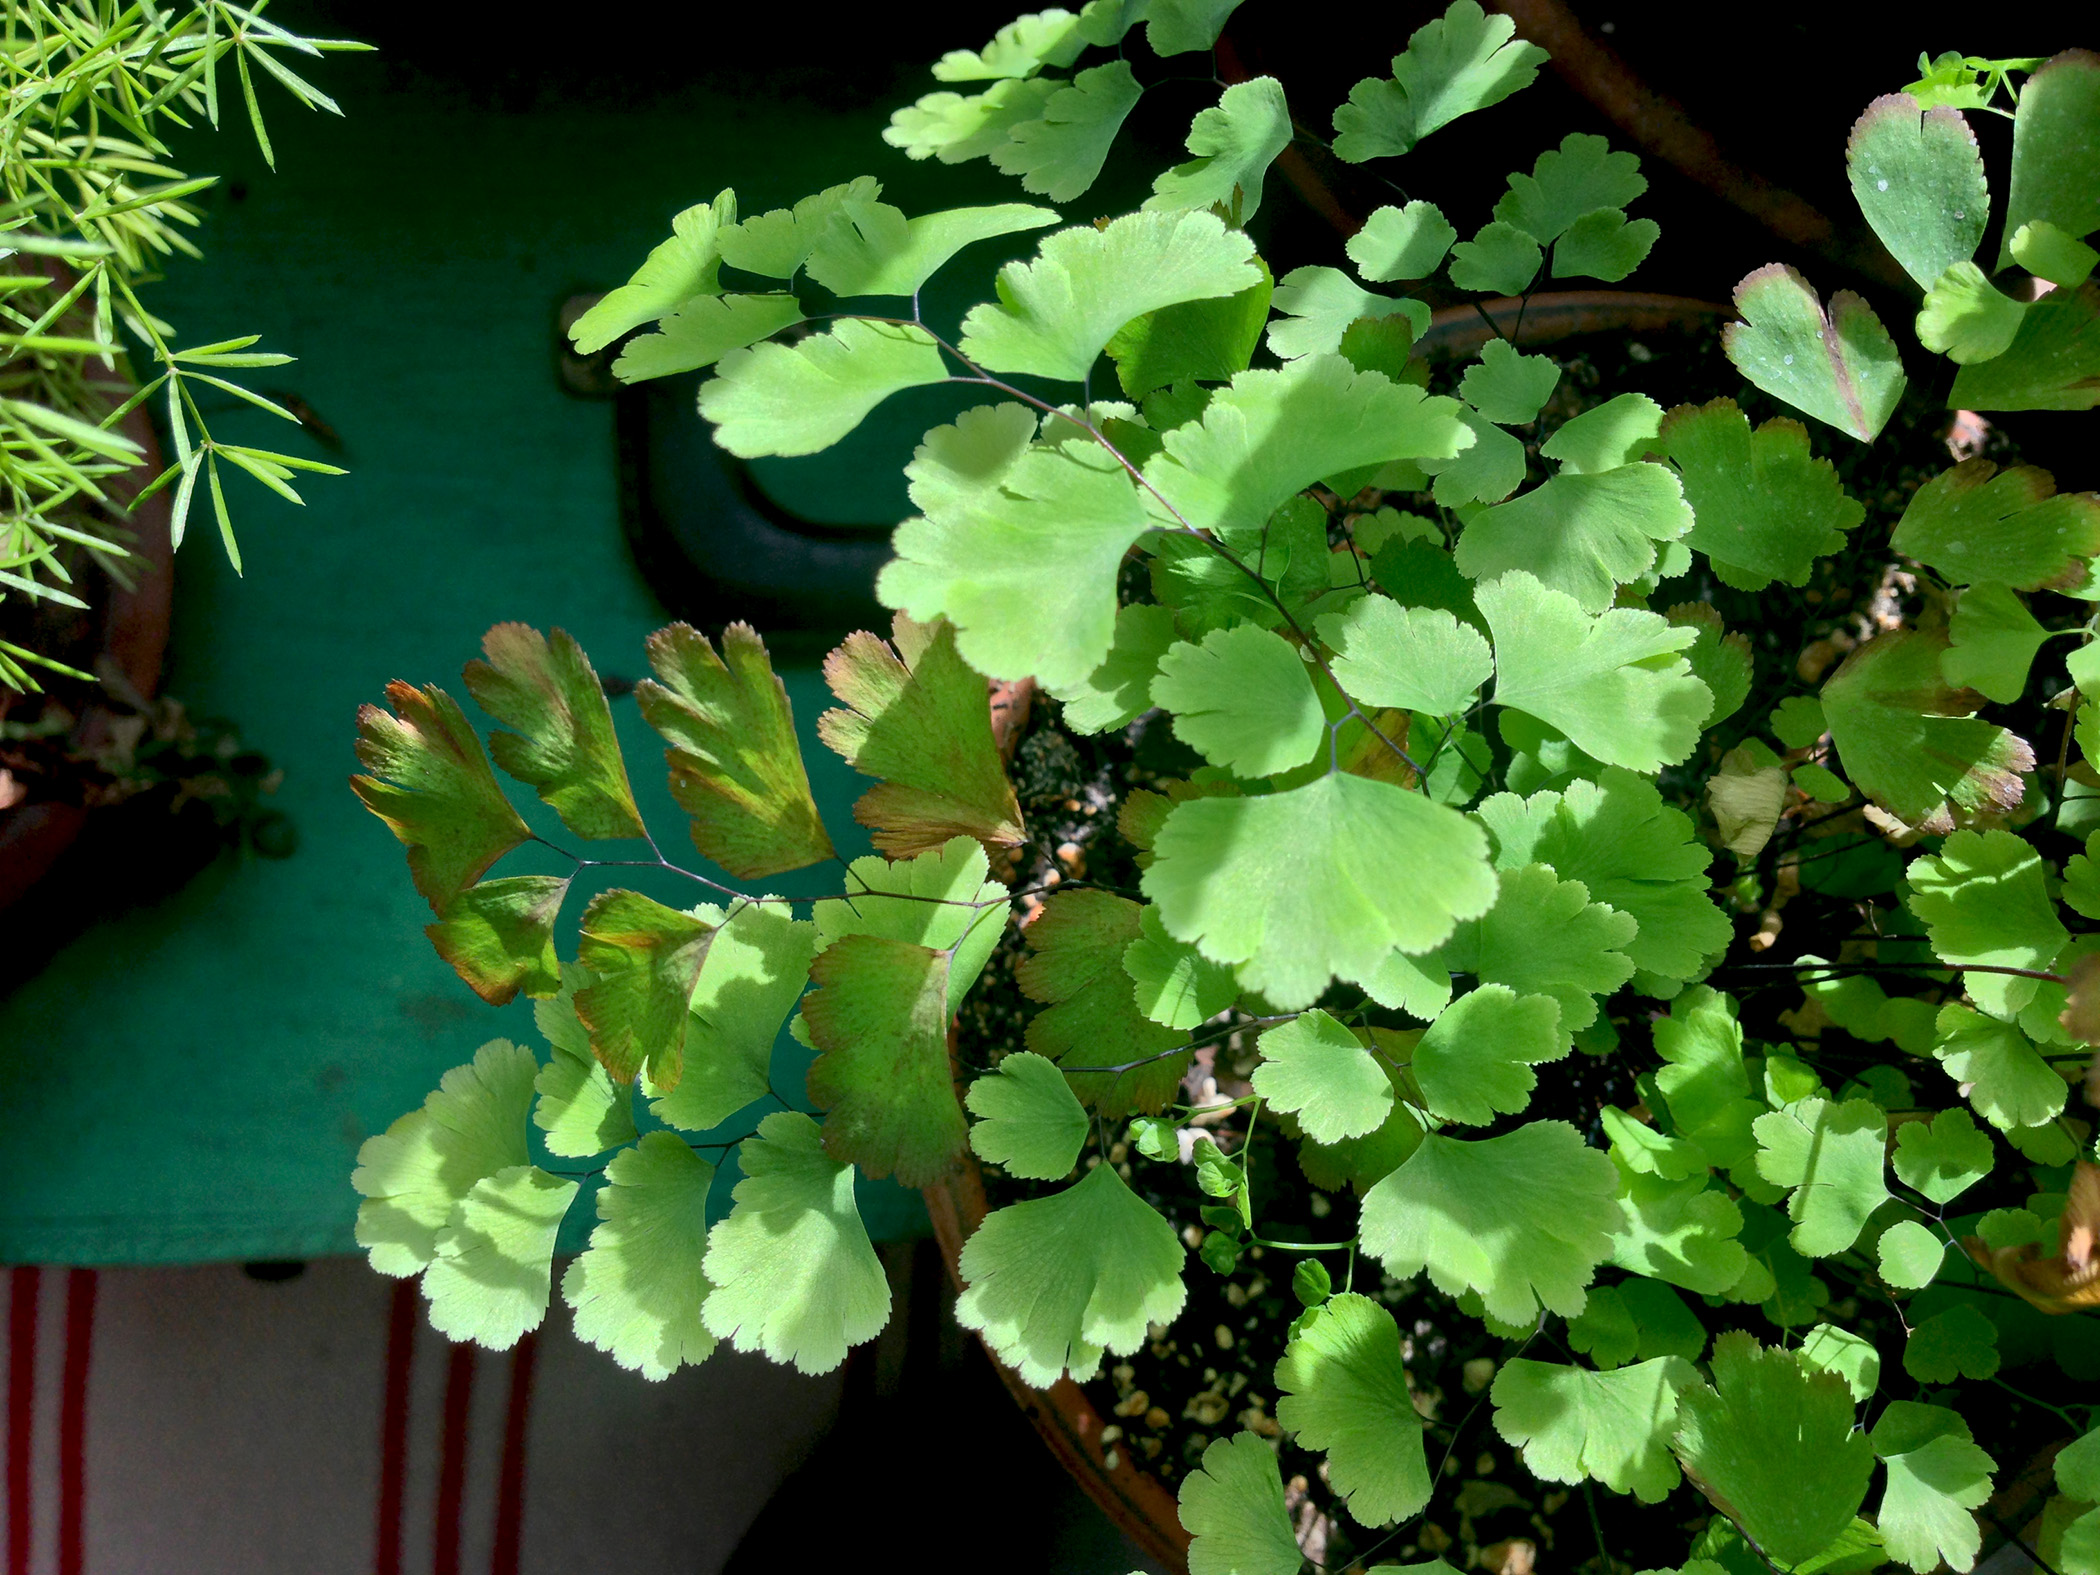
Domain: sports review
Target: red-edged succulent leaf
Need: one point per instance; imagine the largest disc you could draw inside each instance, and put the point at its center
(918, 719)
(736, 767)
(564, 747)
(647, 958)
(1075, 968)
(1839, 366)
(879, 1014)
(1977, 524)
(433, 787)
(1912, 743)
(499, 936)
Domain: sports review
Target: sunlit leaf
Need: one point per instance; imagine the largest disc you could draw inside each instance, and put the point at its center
(638, 1288)
(1984, 899)
(2055, 168)
(564, 746)
(1028, 1122)
(493, 1271)
(1316, 1069)
(1936, 1476)
(1243, 699)
(1918, 175)
(1054, 1282)
(1831, 1156)
(646, 959)
(1840, 367)
(1979, 524)
(1344, 1391)
(756, 965)
(1416, 658)
(580, 1111)
(678, 269)
(1234, 141)
(1764, 507)
(793, 1270)
(1232, 1507)
(1401, 243)
(1059, 154)
(801, 398)
(1582, 175)
(1465, 60)
(432, 786)
(920, 722)
(1171, 981)
(1320, 304)
(499, 936)
(1583, 535)
(1573, 1425)
(874, 250)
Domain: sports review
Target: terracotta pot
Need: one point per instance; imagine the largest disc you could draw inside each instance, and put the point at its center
(134, 638)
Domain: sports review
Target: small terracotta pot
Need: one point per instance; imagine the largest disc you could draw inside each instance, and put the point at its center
(134, 637)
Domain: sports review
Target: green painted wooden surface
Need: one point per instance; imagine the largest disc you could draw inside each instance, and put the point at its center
(192, 1082)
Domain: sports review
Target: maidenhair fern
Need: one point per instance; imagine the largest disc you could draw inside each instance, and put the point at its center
(1463, 783)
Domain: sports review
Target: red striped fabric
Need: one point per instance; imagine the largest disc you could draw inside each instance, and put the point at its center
(23, 1286)
(72, 1419)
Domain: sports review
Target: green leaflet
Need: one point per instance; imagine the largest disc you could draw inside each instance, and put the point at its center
(1178, 27)
(1315, 1068)
(2009, 1083)
(1117, 692)
(736, 765)
(1464, 61)
(1056, 313)
(1025, 570)
(1605, 436)
(1909, 741)
(1487, 472)
(1523, 1219)
(1053, 1282)
(1319, 305)
(432, 786)
(1475, 1060)
(872, 249)
(1060, 154)
(1499, 260)
(1993, 639)
(1243, 699)
(638, 1288)
(1544, 936)
(1172, 982)
(1028, 1120)
(1984, 899)
(1361, 1163)
(1581, 176)
(2053, 362)
(1573, 1425)
(646, 959)
(1827, 1349)
(955, 127)
(1944, 1157)
(1831, 1156)
(493, 1271)
(1641, 1318)
(1919, 179)
(918, 721)
(1764, 507)
(414, 1173)
(1019, 49)
(778, 243)
(702, 331)
(756, 966)
(1344, 1391)
(940, 900)
(499, 936)
(1958, 1343)
(1401, 243)
(2055, 169)
(565, 748)
(1273, 434)
(580, 1111)
(802, 398)
(1632, 851)
(1287, 886)
(2048, 253)
(1680, 1231)
(1910, 1255)
(1604, 245)
(1967, 318)
(1840, 367)
(1978, 524)
(879, 1017)
(1235, 141)
(1743, 1440)
(1507, 387)
(1582, 535)
(1705, 1080)
(1594, 678)
(1936, 1477)
(1075, 967)
(1233, 1509)
(676, 270)
(1415, 658)
(793, 1271)
(1210, 340)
